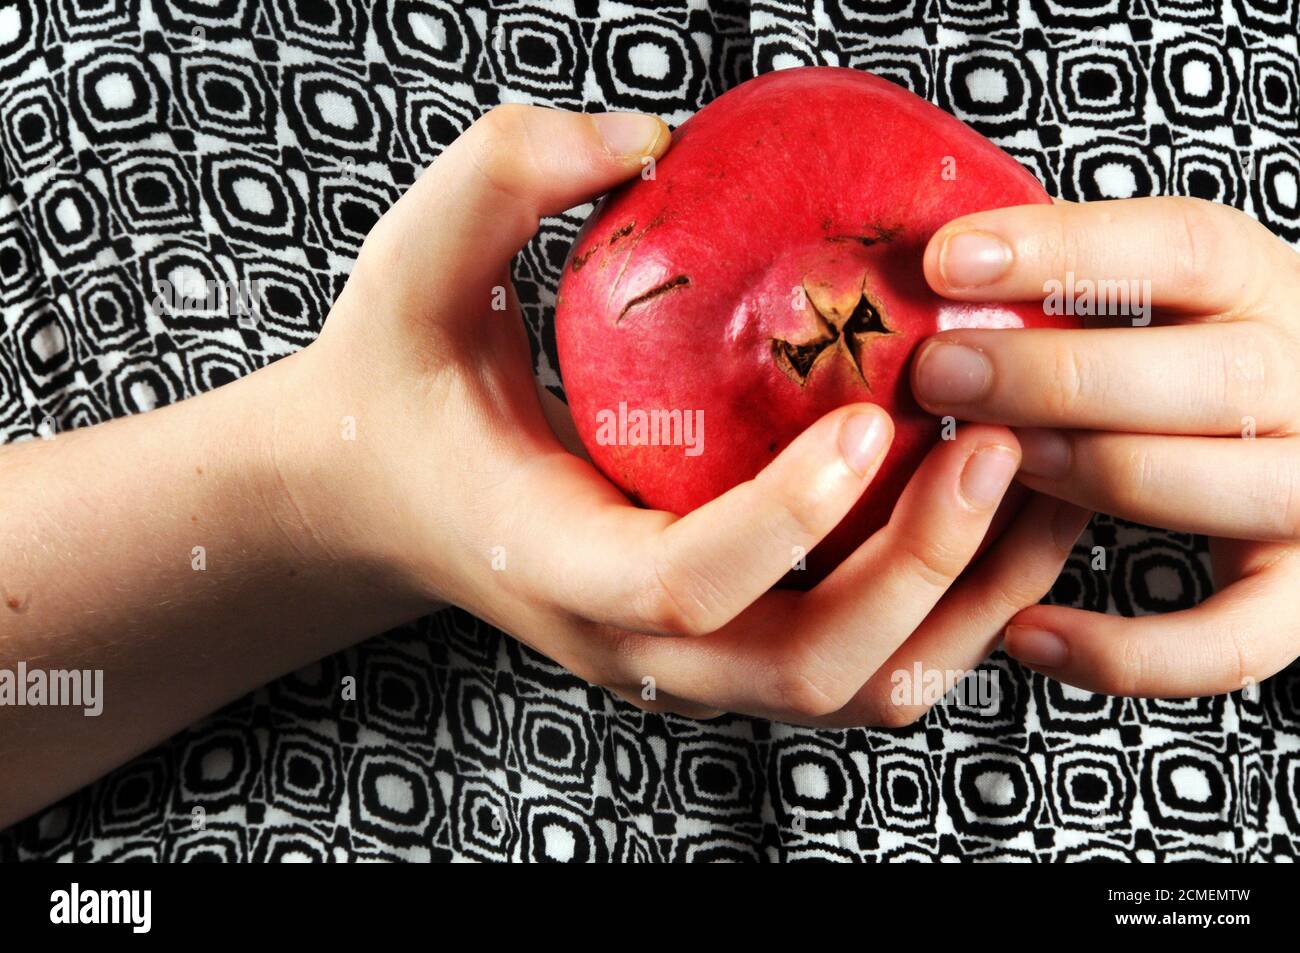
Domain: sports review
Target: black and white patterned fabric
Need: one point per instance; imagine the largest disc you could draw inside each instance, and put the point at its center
(258, 140)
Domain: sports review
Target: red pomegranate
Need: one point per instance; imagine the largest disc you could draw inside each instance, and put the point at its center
(768, 272)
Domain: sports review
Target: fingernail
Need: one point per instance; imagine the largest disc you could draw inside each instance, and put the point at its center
(1036, 646)
(987, 475)
(1068, 523)
(973, 259)
(952, 373)
(1044, 453)
(862, 440)
(628, 134)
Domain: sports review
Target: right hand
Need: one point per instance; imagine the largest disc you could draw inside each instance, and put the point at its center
(455, 462)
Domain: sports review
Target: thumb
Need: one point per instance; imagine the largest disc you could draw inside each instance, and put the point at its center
(458, 226)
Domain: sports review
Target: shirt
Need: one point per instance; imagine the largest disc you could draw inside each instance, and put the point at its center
(142, 141)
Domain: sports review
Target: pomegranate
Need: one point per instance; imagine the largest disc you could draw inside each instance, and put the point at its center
(768, 272)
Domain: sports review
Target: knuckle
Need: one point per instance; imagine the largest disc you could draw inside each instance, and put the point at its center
(1290, 507)
(797, 512)
(1009, 594)
(1205, 236)
(800, 685)
(1245, 374)
(935, 564)
(675, 604)
(605, 658)
(1121, 671)
(494, 141)
(1063, 248)
(884, 712)
(1196, 242)
(1074, 380)
(1281, 496)
(1139, 472)
(797, 693)
(499, 126)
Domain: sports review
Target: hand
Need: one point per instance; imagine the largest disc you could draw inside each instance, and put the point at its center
(193, 553)
(1187, 424)
(458, 480)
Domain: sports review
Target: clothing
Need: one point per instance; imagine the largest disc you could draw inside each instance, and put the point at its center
(141, 140)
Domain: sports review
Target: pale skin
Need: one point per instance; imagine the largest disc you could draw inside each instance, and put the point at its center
(1188, 424)
(312, 541)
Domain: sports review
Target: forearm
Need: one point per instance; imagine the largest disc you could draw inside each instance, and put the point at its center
(162, 551)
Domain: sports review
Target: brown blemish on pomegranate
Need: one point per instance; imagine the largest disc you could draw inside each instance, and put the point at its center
(672, 284)
(629, 248)
(580, 260)
(874, 235)
(837, 332)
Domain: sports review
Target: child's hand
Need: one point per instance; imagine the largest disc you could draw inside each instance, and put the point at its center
(1186, 424)
(457, 477)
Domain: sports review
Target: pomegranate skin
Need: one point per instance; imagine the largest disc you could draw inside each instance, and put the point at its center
(769, 272)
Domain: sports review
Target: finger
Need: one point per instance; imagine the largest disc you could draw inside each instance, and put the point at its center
(717, 560)
(1178, 379)
(1230, 641)
(481, 200)
(662, 703)
(799, 657)
(1199, 257)
(934, 531)
(648, 572)
(1220, 486)
(968, 622)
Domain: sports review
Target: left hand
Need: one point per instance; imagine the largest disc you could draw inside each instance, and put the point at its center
(455, 461)
(1187, 423)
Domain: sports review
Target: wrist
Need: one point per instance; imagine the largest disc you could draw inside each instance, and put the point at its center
(327, 483)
